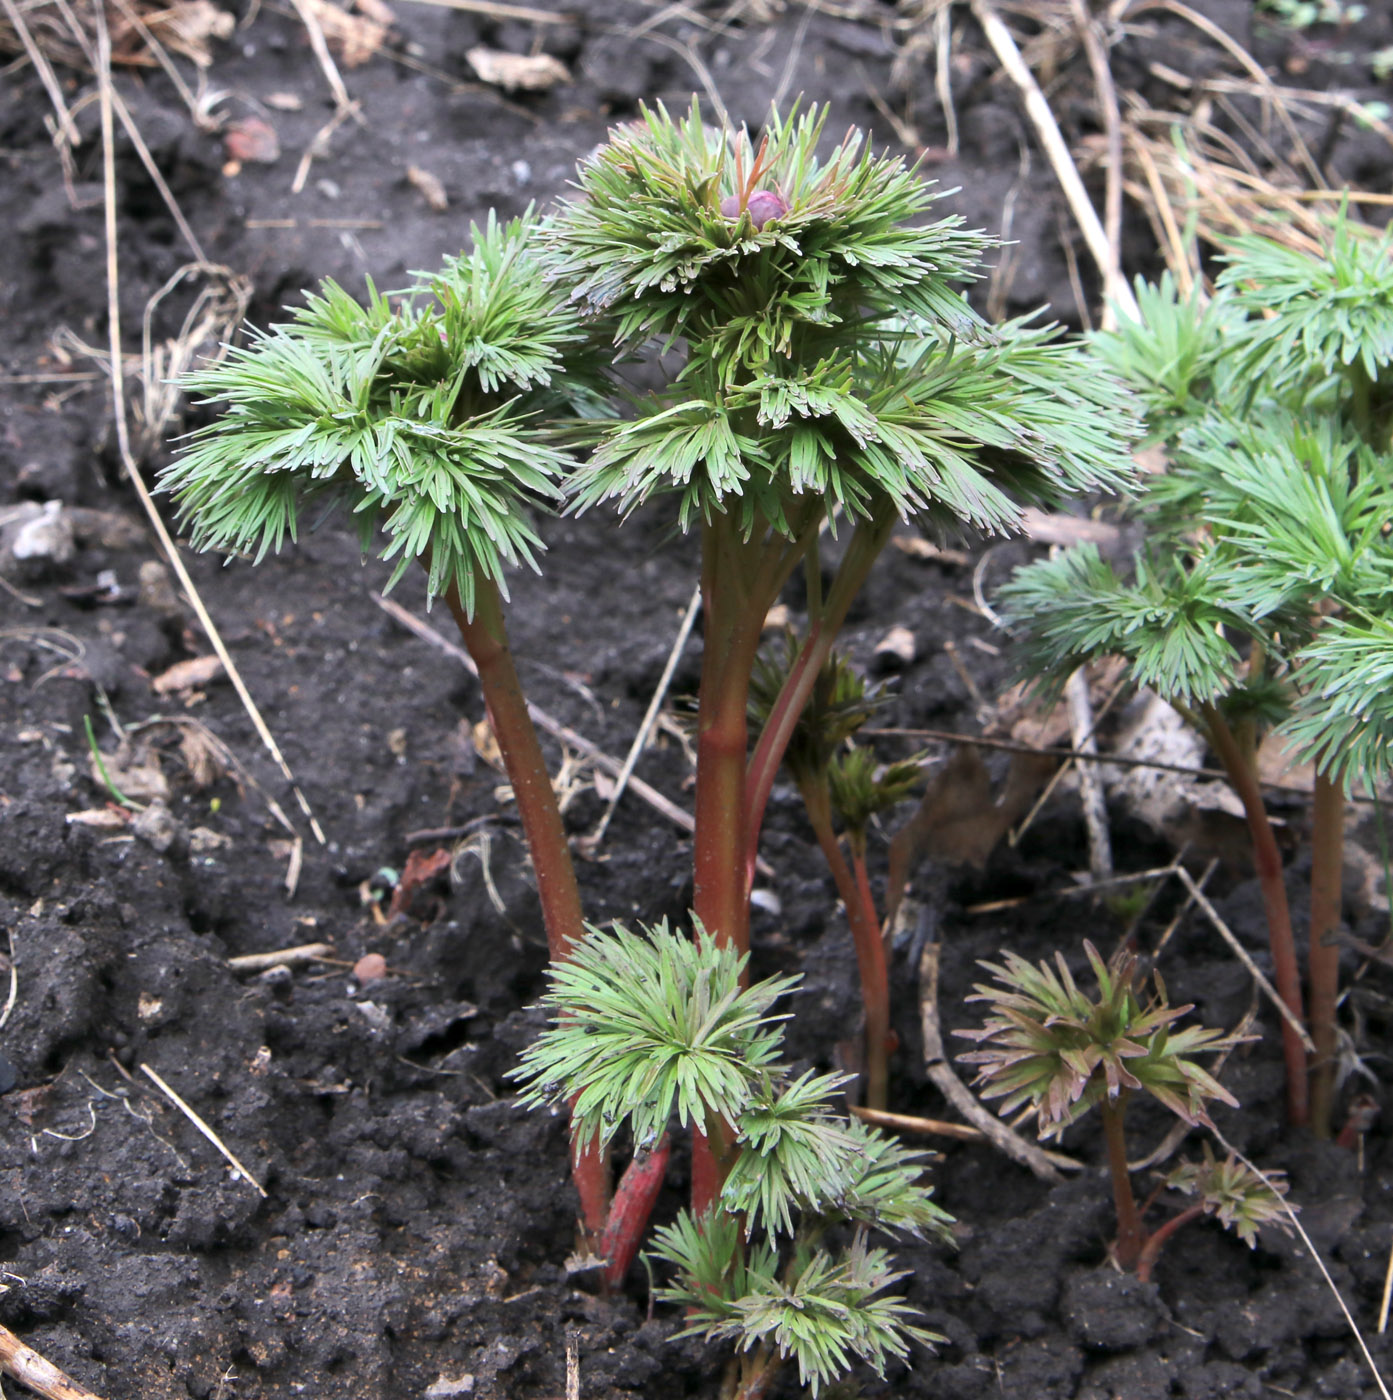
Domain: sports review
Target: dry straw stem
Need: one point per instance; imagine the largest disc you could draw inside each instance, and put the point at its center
(31, 1370)
(1315, 1255)
(649, 719)
(561, 732)
(283, 957)
(1037, 108)
(201, 1126)
(118, 398)
(1044, 1164)
(42, 26)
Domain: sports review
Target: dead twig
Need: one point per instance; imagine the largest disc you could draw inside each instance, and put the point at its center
(282, 957)
(47, 77)
(908, 1123)
(955, 1091)
(202, 1127)
(1112, 128)
(30, 1369)
(1095, 804)
(564, 733)
(118, 396)
(1115, 288)
(1241, 953)
(640, 742)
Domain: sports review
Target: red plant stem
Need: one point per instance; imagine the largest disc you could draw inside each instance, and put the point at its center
(1241, 768)
(713, 1155)
(1131, 1237)
(486, 639)
(854, 887)
(741, 575)
(875, 978)
(1156, 1242)
(1327, 868)
(632, 1206)
(865, 546)
(741, 578)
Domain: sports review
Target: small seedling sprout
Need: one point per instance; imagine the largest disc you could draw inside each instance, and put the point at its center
(648, 1026)
(1051, 1047)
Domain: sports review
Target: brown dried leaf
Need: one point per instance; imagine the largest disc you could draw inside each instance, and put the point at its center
(1050, 527)
(101, 818)
(514, 72)
(357, 38)
(917, 547)
(430, 186)
(204, 755)
(187, 675)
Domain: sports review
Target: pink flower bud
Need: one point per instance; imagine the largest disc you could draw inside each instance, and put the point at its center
(763, 205)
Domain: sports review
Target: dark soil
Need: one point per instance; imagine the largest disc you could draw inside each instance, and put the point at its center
(416, 1225)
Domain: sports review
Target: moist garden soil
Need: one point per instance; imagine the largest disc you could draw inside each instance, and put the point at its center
(414, 1234)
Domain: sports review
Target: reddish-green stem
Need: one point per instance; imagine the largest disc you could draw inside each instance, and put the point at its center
(1156, 1242)
(486, 638)
(1241, 766)
(741, 575)
(1131, 1237)
(630, 1211)
(853, 884)
(1327, 866)
(865, 546)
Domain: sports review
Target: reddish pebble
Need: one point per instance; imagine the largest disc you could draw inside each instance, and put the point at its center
(370, 967)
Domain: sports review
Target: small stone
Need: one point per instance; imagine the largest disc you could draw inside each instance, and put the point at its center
(896, 649)
(369, 968)
(160, 829)
(445, 1387)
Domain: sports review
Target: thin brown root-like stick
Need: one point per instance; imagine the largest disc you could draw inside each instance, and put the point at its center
(908, 1123)
(202, 1127)
(1095, 804)
(320, 145)
(30, 1369)
(46, 74)
(938, 1127)
(133, 131)
(320, 45)
(200, 118)
(1115, 289)
(943, 74)
(282, 957)
(1241, 953)
(592, 841)
(1315, 1255)
(955, 1091)
(1112, 129)
(564, 733)
(1028, 820)
(118, 397)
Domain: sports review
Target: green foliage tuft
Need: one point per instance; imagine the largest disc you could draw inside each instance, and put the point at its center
(417, 415)
(1237, 1196)
(1053, 1047)
(831, 363)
